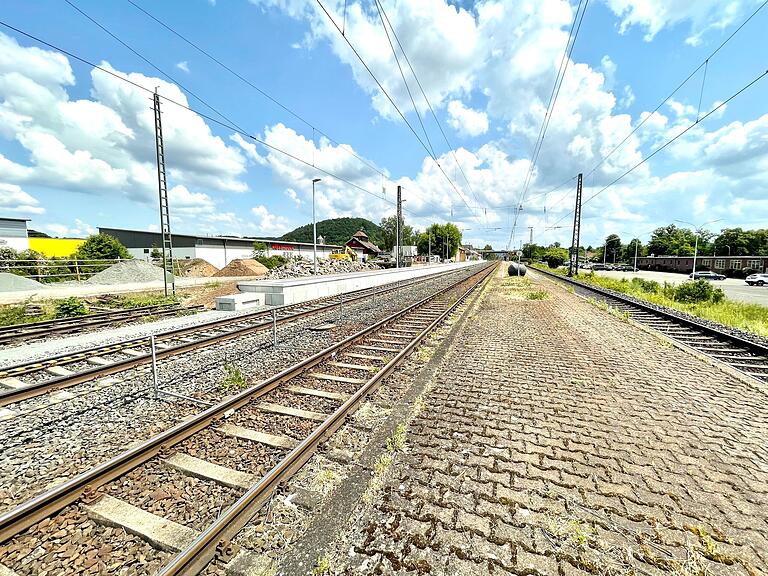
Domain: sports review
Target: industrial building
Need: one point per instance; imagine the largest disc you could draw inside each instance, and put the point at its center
(13, 233)
(217, 250)
(713, 263)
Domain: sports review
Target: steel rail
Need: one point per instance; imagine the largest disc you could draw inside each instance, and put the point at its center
(201, 551)
(35, 389)
(749, 345)
(34, 330)
(46, 504)
(17, 369)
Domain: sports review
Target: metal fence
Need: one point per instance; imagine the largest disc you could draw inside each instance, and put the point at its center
(56, 269)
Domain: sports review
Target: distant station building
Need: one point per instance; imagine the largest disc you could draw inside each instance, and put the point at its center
(361, 244)
(13, 233)
(719, 264)
(217, 250)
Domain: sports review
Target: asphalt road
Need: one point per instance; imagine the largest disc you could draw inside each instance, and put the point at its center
(734, 288)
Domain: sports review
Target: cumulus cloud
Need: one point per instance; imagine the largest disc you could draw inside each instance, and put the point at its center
(654, 15)
(268, 223)
(102, 145)
(466, 121)
(78, 229)
(16, 201)
(183, 66)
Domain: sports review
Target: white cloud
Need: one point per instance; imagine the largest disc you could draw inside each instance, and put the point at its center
(14, 200)
(291, 194)
(183, 66)
(654, 15)
(267, 223)
(78, 229)
(102, 145)
(182, 201)
(466, 121)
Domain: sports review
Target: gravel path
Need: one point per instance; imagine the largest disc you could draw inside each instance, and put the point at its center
(44, 447)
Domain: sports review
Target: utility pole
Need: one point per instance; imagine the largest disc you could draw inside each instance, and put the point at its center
(573, 269)
(399, 228)
(162, 188)
(429, 243)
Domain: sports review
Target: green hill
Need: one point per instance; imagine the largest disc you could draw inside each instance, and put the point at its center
(336, 231)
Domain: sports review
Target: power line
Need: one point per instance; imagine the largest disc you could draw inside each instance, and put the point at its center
(703, 64)
(391, 101)
(429, 104)
(402, 75)
(201, 114)
(567, 52)
(673, 139)
(255, 87)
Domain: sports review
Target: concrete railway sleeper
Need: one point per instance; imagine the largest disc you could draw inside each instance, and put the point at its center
(26, 333)
(52, 374)
(313, 396)
(746, 356)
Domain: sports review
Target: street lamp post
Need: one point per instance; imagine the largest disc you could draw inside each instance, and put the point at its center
(697, 231)
(636, 243)
(314, 226)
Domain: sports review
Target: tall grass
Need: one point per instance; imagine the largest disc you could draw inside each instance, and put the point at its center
(749, 317)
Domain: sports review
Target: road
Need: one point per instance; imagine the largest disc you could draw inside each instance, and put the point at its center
(734, 288)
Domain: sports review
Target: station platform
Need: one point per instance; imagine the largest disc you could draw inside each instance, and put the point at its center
(553, 438)
(295, 290)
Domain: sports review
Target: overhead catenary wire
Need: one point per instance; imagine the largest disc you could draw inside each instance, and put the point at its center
(429, 104)
(207, 117)
(392, 102)
(249, 83)
(704, 64)
(578, 18)
(672, 140)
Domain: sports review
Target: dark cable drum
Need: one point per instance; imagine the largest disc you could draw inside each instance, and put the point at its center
(515, 267)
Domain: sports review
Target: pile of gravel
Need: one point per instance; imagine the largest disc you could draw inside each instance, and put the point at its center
(13, 282)
(129, 271)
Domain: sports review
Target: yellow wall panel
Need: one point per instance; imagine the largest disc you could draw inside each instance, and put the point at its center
(55, 246)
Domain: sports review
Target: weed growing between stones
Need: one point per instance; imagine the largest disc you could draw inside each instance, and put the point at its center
(396, 442)
(322, 566)
(234, 380)
(537, 295)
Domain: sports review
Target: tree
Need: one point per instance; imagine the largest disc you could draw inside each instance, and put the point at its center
(388, 227)
(555, 256)
(490, 256)
(101, 247)
(629, 250)
(438, 234)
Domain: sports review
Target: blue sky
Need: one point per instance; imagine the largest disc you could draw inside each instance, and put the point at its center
(77, 147)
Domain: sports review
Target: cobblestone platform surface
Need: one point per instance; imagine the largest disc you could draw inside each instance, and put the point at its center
(560, 440)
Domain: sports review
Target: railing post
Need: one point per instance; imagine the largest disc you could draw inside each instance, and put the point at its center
(77, 270)
(274, 327)
(154, 367)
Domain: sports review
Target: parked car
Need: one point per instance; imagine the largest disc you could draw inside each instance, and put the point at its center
(757, 279)
(625, 268)
(598, 266)
(706, 275)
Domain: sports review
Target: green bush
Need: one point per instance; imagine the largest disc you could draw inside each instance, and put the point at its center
(647, 286)
(698, 291)
(70, 308)
(272, 261)
(102, 247)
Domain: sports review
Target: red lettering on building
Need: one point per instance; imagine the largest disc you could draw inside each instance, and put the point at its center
(282, 247)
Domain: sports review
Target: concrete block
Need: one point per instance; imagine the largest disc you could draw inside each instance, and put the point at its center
(256, 436)
(239, 301)
(161, 533)
(205, 470)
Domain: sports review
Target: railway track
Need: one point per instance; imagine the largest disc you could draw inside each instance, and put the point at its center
(748, 357)
(38, 377)
(38, 330)
(284, 418)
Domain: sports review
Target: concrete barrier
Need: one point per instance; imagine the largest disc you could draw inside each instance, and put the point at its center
(239, 301)
(295, 290)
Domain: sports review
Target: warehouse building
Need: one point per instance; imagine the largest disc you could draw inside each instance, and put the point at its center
(13, 233)
(719, 264)
(217, 250)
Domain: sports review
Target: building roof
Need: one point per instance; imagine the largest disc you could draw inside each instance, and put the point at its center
(15, 219)
(360, 234)
(267, 241)
(371, 247)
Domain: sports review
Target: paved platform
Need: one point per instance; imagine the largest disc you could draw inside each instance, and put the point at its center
(294, 290)
(559, 440)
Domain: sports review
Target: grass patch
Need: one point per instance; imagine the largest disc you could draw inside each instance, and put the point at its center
(234, 379)
(322, 566)
(537, 295)
(748, 317)
(140, 300)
